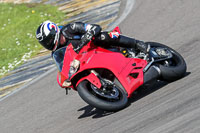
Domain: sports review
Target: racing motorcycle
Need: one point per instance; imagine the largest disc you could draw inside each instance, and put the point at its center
(106, 78)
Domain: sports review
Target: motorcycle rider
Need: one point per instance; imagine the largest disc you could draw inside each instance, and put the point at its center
(53, 37)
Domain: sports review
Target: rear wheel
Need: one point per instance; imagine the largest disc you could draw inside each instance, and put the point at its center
(109, 98)
(171, 69)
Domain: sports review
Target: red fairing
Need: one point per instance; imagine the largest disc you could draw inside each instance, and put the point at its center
(93, 79)
(122, 67)
(70, 55)
(129, 71)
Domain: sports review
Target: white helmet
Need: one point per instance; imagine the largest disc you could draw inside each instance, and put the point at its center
(48, 35)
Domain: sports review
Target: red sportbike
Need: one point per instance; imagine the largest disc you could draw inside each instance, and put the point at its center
(106, 78)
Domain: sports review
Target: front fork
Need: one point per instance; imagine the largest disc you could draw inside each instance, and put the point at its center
(93, 78)
(102, 80)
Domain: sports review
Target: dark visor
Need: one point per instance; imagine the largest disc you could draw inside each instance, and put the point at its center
(48, 41)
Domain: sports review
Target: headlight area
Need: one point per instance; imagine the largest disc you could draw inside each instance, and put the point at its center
(74, 66)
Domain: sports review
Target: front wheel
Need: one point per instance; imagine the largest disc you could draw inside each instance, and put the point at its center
(109, 99)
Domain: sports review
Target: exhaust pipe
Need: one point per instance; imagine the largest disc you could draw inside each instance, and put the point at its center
(151, 75)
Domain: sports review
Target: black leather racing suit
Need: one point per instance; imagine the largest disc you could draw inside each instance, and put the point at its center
(77, 34)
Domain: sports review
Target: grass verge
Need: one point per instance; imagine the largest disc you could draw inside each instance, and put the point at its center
(18, 24)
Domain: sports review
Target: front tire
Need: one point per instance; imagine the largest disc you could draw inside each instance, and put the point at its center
(88, 95)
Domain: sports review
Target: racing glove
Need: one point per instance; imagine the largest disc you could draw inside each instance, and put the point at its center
(84, 40)
(92, 30)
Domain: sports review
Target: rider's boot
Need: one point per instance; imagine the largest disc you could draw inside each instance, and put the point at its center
(133, 43)
(143, 46)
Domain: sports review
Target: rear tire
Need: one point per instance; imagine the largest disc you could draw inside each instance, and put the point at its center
(89, 96)
(177, 70)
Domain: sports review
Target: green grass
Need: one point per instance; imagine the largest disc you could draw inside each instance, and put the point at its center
(18, 24)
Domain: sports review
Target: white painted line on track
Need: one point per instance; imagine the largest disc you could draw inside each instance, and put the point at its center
(129, 6)
(29, 83)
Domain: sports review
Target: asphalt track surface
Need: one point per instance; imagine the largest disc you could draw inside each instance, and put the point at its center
(166, 108)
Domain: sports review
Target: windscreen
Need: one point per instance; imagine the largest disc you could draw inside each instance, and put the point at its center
(58, 57)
